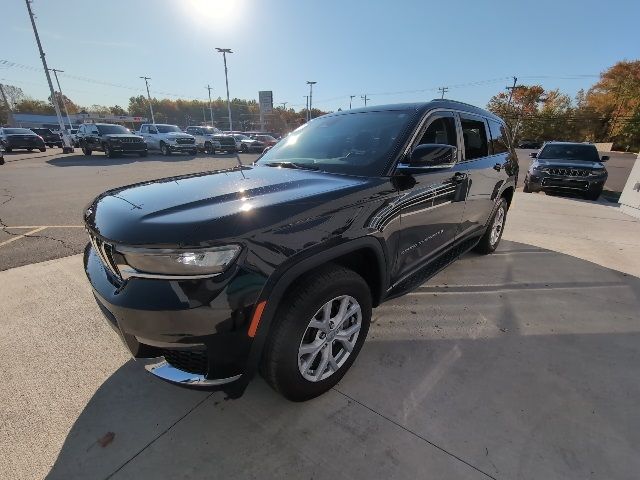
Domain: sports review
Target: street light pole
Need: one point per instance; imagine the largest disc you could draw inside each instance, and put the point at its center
(55, 74)
(68, 148)
(146, 82)
(351, 97)
(307, 106)
(311, 84)
(210, 107)
(224, 52)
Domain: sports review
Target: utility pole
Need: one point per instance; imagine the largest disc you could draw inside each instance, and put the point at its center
(9, 112)
(351, 97)
(204, 115)
(55, 74)
(284, 105)
(146, 82)
(210, 107)
(67, 148)
(224, 52)
(365, 98)
(443, 90)
(307, 106)
(311, 84)
(511, 89)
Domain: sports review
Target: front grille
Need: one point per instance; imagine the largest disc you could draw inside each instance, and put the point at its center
(568, 184)
(105, 252)
(568, 172)
(186, 141)
(192, 361)
(228, 142)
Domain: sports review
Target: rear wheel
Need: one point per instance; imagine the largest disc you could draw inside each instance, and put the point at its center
(108, 151)
(317, 333)
(491, 238)
(42, 149)
(86, 150)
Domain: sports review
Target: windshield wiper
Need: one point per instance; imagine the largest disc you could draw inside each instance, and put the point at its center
(299, 166)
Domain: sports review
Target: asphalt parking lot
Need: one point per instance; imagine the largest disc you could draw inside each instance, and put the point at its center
(518, 365)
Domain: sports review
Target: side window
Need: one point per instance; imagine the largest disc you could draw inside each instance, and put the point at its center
(144, 129)
(474, 133)
(441, 130)
(498, 137)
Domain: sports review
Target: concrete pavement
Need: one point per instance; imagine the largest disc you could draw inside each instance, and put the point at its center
(521, 364)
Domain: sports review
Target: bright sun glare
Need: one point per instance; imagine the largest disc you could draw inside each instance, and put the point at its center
(214, 12)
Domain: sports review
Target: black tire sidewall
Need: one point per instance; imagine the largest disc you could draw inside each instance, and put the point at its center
(294, 317)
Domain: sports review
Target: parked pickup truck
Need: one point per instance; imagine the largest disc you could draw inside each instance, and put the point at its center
(167, 139)
(205, 138)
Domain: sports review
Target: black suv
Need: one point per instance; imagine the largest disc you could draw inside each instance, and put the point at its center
(276, 266)
(111, 139)
(21, 138)
(567, 167)
(50, 139)
(227, 143)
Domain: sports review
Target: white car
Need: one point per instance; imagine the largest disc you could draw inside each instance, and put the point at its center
(204, 138)
(167, 138)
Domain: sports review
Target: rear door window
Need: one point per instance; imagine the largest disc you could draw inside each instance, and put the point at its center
(474, 133)
(499, 143)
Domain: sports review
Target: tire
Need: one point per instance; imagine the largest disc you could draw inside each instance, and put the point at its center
(108, 152)
(194, 152)
(490, 240)
(86, 151)
(526, 188)
(164, 149)
(283, 363)
(244, 148)
(31, 149)
(42, 149)
(208, 148)
(593, 195)
(8, 149)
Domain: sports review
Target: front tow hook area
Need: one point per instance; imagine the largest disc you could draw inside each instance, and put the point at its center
(165, 371)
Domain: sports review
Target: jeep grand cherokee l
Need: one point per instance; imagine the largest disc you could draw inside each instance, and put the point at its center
(113, 140)
(567, 167)
(276, 266)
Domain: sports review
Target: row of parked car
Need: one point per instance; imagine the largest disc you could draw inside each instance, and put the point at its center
(115, 139)
(167, 139)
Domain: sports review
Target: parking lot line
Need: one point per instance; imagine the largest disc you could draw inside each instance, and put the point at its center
(18, 237)
(46, 226)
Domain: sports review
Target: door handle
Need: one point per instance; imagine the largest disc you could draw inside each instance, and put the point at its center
(459, 177)
(497, 167)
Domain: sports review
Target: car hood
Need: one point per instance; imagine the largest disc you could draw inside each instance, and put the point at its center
(177, 135)
(563, 162)
(208, 208)
(121, 135)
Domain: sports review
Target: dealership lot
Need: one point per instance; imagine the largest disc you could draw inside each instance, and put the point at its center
(521, 364)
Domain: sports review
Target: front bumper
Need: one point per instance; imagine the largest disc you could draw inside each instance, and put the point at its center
(541, 181)
(182, 147)
(128, 147)
(199, 327)
(25, 143)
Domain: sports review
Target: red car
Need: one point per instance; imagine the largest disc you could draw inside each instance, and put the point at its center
(268, 140)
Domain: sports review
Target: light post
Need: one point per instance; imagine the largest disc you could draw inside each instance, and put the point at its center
(146, 82)
(311, 84)
(351, 97)
(307, 106)
(224, 52)
(55, 74)
(210, 107)
(67, 148)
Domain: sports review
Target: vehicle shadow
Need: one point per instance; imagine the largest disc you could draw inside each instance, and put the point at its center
(521, 364)
(100, 160)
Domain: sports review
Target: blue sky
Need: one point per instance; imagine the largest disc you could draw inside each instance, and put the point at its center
(381, 48)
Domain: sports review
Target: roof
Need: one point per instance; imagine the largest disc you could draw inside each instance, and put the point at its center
(422, 107)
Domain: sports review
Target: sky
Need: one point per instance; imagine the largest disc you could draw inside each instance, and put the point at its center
(393, 51)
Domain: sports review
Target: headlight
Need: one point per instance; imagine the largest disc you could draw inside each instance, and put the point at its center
(597, 173)
(165, 263)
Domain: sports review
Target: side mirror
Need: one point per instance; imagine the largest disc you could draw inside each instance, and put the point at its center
(533, 154)
(432, 155)
(604, 158)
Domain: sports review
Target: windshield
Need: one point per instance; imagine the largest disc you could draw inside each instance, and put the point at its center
(353, 144)
(210, 130)
(241, 137)
(587, 153)
(110, 129)
(168, 128)
(41, 130)
(19, 131)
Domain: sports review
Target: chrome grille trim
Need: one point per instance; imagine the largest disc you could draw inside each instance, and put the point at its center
(568, 172)
(104, 252)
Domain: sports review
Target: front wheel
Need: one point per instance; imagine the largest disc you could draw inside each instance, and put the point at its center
(165, 150)
(491, 238)
(593, 195)
(108, 151)
(317, 334)
(143, 154)
(86, 151)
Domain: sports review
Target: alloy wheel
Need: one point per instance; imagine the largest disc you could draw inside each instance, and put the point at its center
(330, 338)
(498, 224)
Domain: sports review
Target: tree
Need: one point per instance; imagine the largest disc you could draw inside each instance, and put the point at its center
(117, 110)
(14, 95)
(519, 112)
(30, 105)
